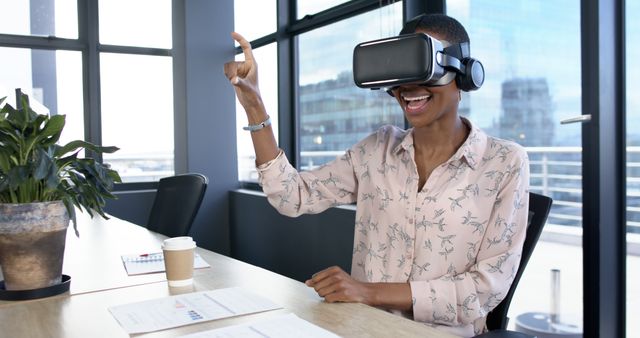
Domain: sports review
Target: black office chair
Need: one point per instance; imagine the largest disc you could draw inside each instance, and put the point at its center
(497, 320)
(176, 204)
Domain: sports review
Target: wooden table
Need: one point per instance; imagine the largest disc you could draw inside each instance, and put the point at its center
(99, 281)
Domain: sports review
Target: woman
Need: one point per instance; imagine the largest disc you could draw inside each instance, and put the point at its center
(441, 207)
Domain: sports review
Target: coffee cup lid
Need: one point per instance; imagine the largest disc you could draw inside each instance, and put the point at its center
(178, 243)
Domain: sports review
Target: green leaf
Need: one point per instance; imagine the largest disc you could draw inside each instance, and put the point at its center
(6, 109)
(32, 133)
(5, 164)
(6, 127)
(115, 176)
(30, 115)
(52, 130)
(68, 203)
(17, 176)
(42, 164)
(17, 118)
(63, 160)
(77, 144)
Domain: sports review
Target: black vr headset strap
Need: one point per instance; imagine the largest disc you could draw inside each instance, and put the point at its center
(453, 56)
(460, 51)
(448, 62)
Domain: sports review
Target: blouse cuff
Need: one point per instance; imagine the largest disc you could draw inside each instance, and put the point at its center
(422, 303)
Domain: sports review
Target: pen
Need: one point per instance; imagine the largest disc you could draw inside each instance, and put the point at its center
(150, 254)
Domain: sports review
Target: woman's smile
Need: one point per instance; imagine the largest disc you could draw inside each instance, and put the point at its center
(414, 104)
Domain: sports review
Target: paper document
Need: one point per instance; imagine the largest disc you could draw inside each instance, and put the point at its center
(285, 326)
(154, 262)
(174, 311)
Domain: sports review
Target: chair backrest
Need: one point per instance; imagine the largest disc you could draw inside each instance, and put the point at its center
(176, 204)
(539, 206)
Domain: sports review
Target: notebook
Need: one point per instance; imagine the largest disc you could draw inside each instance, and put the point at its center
(139, 264)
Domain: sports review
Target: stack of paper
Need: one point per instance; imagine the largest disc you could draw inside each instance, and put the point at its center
(154, 262)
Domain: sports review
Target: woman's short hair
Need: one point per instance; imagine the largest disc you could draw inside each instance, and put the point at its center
(450, 28)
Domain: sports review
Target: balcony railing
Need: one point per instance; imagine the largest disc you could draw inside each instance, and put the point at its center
(554, 171)
(142, 167)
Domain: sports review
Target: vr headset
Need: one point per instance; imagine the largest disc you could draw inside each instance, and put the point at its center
(415, 58)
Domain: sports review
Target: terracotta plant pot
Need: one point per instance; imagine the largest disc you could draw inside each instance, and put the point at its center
(32, 240)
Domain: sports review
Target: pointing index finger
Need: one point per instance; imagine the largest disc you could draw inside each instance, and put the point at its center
(244, 44)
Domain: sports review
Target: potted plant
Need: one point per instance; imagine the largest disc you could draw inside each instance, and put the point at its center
(41, 184)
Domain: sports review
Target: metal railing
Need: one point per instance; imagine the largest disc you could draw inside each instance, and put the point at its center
(142, 167)
(555, 172)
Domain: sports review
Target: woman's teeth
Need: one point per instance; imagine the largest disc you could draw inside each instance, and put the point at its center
(417, 98)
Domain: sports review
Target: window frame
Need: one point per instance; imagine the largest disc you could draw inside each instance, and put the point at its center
(603, 141)
(88, 44)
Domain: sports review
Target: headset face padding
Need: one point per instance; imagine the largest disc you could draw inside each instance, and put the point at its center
(473, 76)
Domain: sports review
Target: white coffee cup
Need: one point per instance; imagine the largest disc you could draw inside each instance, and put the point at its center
(178, 260)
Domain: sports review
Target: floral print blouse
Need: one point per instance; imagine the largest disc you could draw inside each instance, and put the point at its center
(457, 241)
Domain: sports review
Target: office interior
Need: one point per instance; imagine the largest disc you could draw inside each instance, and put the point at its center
(586, 48)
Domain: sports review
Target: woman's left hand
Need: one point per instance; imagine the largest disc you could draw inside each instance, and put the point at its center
(335, 285)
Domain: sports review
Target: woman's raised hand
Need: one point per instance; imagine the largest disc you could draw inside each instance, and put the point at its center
(243, 75)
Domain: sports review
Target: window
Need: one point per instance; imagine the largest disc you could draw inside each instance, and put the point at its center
(40, 17)
(137, 114)
(39, 74)
(334, 113)
(136, 90)
(143, 23)
(133, 71)
(524, 98)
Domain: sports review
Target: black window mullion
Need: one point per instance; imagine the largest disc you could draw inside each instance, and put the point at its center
(134, 50)
(287, 81)
(88, 34)
(413, 8)
(40, 42)
(603, 184)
